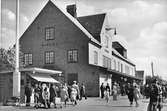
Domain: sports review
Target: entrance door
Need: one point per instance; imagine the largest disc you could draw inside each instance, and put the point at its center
(72, 77)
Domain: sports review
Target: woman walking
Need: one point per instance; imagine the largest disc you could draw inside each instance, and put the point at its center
(53, 94)
(63, 95)
(136, 95)
(73, 96)
(115, 91)
(107, 95)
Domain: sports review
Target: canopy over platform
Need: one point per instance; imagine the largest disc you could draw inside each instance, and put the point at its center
(119, 74)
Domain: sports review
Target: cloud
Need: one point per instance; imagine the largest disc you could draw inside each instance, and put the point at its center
(151, 44)
(137, 11)
(8, 14)
(8, 18)
(8, 37)
(8, 26)
(85, 9)
(155, 36)
(24, 23)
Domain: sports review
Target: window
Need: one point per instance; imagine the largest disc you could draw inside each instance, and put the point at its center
(118, 66)
(28, 59)
(106, 62)
(106, 41)
(127, 70)
(122, 68)
(49, 33)
(115, 64)
(72, 56)
(95, 57)
(49, 57)
(109, 63)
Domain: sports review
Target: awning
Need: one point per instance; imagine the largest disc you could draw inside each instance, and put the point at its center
(44, 78)
(119, 73)
(41, 70)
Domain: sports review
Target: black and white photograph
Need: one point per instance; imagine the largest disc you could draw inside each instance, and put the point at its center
(83, 55)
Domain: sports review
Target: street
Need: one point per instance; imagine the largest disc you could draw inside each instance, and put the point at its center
(93, 104)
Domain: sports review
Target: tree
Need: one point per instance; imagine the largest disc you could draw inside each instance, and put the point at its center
(7, 59)
(149, 79)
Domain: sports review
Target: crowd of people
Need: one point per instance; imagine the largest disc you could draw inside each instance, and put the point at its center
(155, 91)
(46, 94)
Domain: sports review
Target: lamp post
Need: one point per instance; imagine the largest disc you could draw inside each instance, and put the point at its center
(16, 74)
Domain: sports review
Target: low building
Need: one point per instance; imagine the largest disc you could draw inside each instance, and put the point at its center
(140, 74)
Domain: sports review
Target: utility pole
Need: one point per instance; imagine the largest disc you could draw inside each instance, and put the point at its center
(152, 68)
(16, 74)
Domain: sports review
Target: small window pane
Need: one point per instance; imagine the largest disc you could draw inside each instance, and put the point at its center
(95, 57)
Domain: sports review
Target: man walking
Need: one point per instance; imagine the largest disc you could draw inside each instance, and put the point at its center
(83, 92)
(102, 89)
(28, 93)
(152, 106)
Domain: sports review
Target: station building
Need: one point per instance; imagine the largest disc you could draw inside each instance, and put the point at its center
(82, 48)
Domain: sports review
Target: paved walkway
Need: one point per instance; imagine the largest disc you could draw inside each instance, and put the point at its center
(93, 104)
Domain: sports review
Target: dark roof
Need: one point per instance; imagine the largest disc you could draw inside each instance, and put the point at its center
(93, 24)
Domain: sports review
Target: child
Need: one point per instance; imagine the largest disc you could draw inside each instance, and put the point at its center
(73, 96)
(107, 94)
(46, 96)
(36, 95)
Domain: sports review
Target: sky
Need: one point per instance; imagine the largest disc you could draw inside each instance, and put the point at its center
(142, 24)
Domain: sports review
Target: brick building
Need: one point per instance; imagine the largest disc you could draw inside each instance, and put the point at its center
(81, 47)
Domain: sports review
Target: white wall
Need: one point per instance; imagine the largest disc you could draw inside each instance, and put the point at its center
(131, 67)
(107, 51)
(93, 48)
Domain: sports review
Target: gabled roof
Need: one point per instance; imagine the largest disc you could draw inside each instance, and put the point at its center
(74, 20)
(93, 23)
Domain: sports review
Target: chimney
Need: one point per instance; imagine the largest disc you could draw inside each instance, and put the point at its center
(71, 9)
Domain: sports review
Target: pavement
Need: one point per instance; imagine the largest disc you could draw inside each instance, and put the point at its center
(93, 104)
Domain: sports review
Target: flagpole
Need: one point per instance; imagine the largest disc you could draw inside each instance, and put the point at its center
(152, 68)
(0, 27)
(16, 74)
